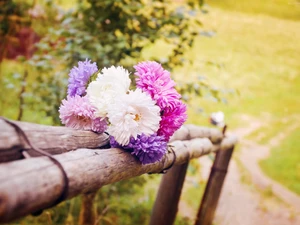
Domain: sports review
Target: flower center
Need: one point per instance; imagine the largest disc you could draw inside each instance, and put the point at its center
(82, 118)
(107, 87)
(137, 117)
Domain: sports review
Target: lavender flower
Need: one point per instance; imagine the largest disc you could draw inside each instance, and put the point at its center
(148, 149)
(79, 77)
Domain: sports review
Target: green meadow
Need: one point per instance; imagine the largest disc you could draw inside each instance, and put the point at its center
(253, 58)
(256, 53)
(283, 165)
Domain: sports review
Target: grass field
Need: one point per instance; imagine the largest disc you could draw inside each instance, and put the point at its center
(284, 9)
(256, 55)
(283, 165)
(259, 56)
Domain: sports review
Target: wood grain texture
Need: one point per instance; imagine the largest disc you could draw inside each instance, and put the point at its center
(52, 139)
(87, 215)
(57, 140)
(167, 199)
(190, 131)
(213, 188)
(29, 185)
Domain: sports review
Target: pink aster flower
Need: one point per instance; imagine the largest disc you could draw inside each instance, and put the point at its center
(172, 119)
(99, 125)
(77, 112)
(156, 81)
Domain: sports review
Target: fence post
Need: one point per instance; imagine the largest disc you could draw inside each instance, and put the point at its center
(166, 203)
(213, 188)
(87, 212)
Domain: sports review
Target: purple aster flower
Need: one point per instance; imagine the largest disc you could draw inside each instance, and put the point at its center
(77, 112)
(154, 80)
(115, 144)
(79, 77)
(99, 125)
(148, 149)
(172, 119)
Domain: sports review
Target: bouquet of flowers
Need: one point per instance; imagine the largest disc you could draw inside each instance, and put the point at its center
(140, 121)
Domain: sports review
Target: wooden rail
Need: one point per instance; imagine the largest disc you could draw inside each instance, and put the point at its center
(57, 140)
(54, 140)
(29, 185)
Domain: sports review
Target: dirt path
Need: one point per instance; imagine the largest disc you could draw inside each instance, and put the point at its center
(252, 153)
(257, 203)
(262, 201)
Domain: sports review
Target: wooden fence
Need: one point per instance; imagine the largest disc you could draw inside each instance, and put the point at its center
(61, 163)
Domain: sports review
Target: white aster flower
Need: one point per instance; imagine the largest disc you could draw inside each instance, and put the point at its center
(117, 76)
(112, 82)
(132, 114)
(100, 96)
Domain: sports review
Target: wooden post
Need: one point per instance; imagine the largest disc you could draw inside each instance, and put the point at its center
(166, 203)
(87, 211)
(213, 188)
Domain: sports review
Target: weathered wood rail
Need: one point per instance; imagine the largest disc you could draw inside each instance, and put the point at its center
(88, 167)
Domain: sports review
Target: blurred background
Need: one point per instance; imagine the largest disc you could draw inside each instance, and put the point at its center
(238, 57)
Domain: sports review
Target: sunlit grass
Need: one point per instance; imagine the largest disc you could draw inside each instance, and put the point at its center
(272, 128)
(285, 9)
(255, 55)
(284, 163)
(259, 57)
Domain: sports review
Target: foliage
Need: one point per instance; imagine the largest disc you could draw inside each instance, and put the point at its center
(108, 32)
(12, 18)
(111, 33)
